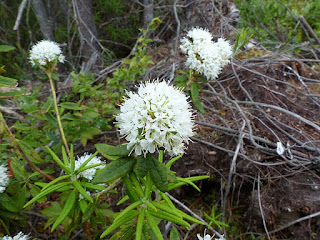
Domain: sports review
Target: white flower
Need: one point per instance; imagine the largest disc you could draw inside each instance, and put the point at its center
(208, 237)
(205, 236)
(280, 148)
(204, 55)
(4, 178)
(19, 236)
(44, 52)
(157, 116)
(89, 173)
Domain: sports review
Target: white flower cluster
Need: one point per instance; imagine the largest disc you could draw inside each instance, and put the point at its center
(4, 178)
(157, 116)
(89, 173)
(208, 237)
(19, 236)
(45, 52)
(204, 55)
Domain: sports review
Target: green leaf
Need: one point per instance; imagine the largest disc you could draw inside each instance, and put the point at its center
(188, 182)
(90, 209)
(131, 207)
(154, 227)
(172, 161)
(194, 91)
(8, 203)
(140, 222)
(6, 48)
(130, 189)
(29, 151)
(116, 224)
(64, 156)
(83, 205)
(158, 173)
(11, 94)
(169, 217)
(81, 190)
(84, 166)
(66, 209)
(58, 161)
(35, 190)
(46, 107)
(46, 192)
(8, 82)
(113, 152)
(21, 126)
(136, 184)
(114, 170)
(199, 105)
(174, 234)
(142, 166)
(192, 179)
(53, 182)
(72, 106)
(181, 78)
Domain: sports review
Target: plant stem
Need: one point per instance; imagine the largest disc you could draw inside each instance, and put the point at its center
(15, 143)
(190, 77)
(49, 73)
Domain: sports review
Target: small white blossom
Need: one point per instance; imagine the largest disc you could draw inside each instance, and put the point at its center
(19, 236)
(204, 55)
(89, 173)
(157, 116)
(280, 148)
(208, 237)
(82, 197)
(45, 52)
(4, 178)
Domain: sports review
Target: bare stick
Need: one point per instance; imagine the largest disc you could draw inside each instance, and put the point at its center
(232, 166)
(261, 209)
(19, 16)
(193, 214)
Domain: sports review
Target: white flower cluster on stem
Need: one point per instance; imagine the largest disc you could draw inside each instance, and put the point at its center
(157, 116)
(89, 173)
(204, 55)
(45, 52)
(19, 236)
(4, 178)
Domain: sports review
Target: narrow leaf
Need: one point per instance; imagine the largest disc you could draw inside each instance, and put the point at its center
(116, 224)
(65, 211)
(46, 192)
(128, 209)
(140, 224)
(53, 182)
(81, 190)
(169, 217)
(58, 161)
(154, 227)
(174, 234)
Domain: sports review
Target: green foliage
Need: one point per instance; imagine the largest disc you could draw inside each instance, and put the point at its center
(214, 219)
(139, 189)
(78, 201)
(189, 81)
(132, 68)
(269, 19)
